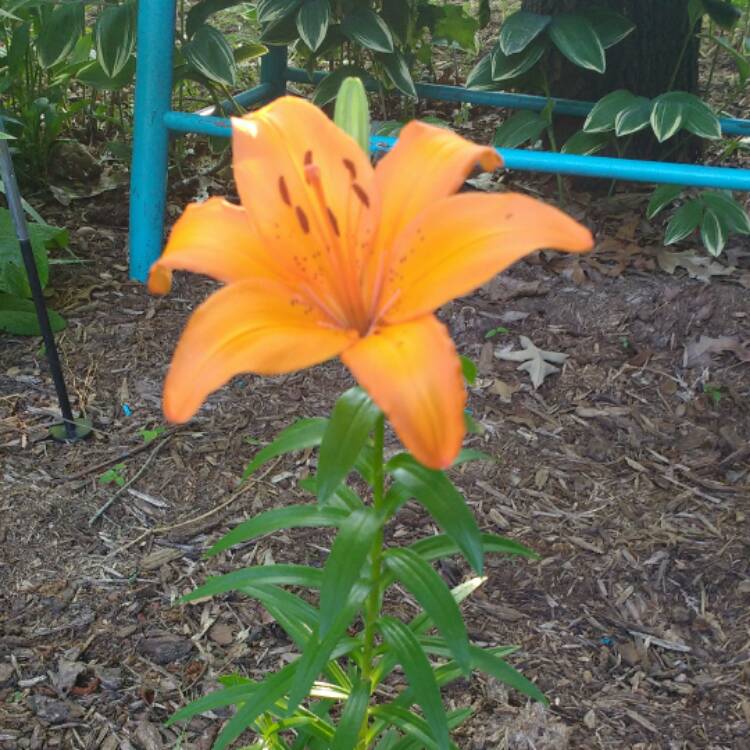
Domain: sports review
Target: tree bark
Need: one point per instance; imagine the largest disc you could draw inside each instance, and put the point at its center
(644, 62)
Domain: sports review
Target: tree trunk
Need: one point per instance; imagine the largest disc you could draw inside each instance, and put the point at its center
(644, 62)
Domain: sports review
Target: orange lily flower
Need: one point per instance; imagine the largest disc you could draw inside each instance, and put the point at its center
(328, 256)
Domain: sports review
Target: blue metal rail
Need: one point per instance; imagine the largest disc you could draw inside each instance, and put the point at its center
(154, 119)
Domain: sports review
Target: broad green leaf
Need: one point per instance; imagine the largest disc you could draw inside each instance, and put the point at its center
(667, 116)
(60, 30)
(713, 232)
(352, 717)
(440, 546)
(352, 419)
(609, 26)
(518, 129)
(480, 76)
(328, 88)
(408, 722)
(728, 209)
(741, 61)
(287, 517)
(306, 433)
(273, 11)
(93, 75)
(700, 119)
(284, 575)
(444, 502)
(602, 117)
(345, 562)
(520, 29)
(398, 72)
(470, 454)
(420, 675)
(575, 37)
(319, 648)
(723, 12)
(455, 26)
(634, 118)
(489, 663)
(469, 369)
(115, 37)
(400, 18)
(209, 53)
(505, 67)
(12, 270)
(367, 28)
(313, 19)
(661, 198)
(249, 51)
(585, 144)
(431, 591)
(18, 317)
(203, 10)
(684, 222)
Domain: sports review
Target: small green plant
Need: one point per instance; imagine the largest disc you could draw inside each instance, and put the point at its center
(149, 435)
(115, 475)
(714, 392)
(716, 214)
(499, 331)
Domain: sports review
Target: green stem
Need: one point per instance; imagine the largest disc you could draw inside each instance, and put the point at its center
(374, 601)
(680, 60)
(551, 134)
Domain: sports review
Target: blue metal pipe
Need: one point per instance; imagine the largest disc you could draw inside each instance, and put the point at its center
(574, 108)
(188, 122)
(153, 95)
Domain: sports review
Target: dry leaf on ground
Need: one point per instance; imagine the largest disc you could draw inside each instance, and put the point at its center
(698, 266)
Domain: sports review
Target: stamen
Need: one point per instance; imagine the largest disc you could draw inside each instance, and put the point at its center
(308, 158)
(334, 222)
(303, 220)
(284, 190)
(361, 194)
(349, 164)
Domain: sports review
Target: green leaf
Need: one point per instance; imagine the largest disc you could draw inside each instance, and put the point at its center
(609, 26)
(586, 143)
(420, 675)
(328, 88)
(700, 119)
(602, 117)
(469, 369)
(345, 562)
(318, 649)
(306, 433)
(367, 28)
(295, 615)
(455, 26)
(408, 722)
(443, 501)
(520, 29)
(398, 73)
(249, 51)
(285, 575)
(352, 717)
(440, 546)
(60, 30)
(203, 10)
(114, 38)
(489, 663)
(209, 53)
(18, 317)
(352, 419)
(93, 75)
(505, 67)
(740, 60)
(722, 12)
(729, 210)
(470, 454)
(684, 222)
(713, 232)
(575, 37)
(274, 11)
(429, 589)
(313, 19)
(634, 118)
(217, 699)
(518, 129)
(667, 116)
(662, 197)
(288, 517)
(480, 76)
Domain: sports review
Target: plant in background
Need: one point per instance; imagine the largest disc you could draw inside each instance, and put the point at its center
(328, 256)
(715, 213)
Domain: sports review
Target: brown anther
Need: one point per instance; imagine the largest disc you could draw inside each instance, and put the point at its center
(349, 164)
(303, 220)
(284, 190)
(308, 158)
(334, 222)
(361, 194)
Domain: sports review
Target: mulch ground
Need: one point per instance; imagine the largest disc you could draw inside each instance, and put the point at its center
(628, 471)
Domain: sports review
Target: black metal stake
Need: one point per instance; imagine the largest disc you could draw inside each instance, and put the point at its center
(72, 431)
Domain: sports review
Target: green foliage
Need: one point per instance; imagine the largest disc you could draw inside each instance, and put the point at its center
(326, 697)
(115, 475)
(715, 213)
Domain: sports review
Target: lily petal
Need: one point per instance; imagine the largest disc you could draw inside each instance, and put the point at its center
(310, 191)
(256, 326)
(426, 164)
(413, 374)
(213, 238)
(461, 242)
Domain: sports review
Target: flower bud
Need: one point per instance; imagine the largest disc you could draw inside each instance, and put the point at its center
(352, 112)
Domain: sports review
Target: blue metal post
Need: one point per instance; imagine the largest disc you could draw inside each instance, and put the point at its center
(273, 66)
(153, 96)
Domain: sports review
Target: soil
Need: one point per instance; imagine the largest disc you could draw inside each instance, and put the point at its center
(628, 471)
